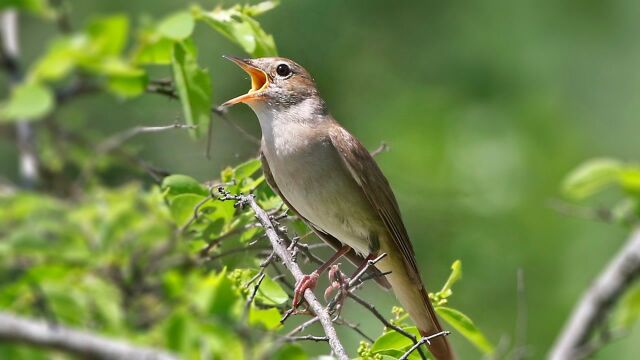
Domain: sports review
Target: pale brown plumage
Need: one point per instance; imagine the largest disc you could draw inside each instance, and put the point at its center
(326, 175)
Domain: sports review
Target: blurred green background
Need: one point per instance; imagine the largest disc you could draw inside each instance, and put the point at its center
(486, 105)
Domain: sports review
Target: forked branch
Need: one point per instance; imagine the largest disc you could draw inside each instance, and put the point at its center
(280, 248)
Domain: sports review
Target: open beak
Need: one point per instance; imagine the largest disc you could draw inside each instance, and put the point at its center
(259, 81)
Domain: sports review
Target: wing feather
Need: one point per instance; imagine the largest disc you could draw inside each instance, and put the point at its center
(353, 257)
(375, 187)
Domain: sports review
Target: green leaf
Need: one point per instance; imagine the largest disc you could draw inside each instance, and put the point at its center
(223, 296)
(627, 312)
(183, 184)
(260, 8)
(466, 327)
(153, 49)
(393, 340)
(456, 274)
(591, 177)
(38, 7)
(240, 28)
(178, 331)
(290, 352)
(124, 79)
(194, 86)
(27, 102)
(247, 169)
(108, 35)
(182, 207)
(269, 318)
(630, 180)
(60, 59)
(178, 26)
(271, 293)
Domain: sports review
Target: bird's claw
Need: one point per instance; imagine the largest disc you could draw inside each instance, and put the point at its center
(306, 282)
(338, 281)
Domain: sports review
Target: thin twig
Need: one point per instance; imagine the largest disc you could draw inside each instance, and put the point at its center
(598, 300)
(166, 88)
(384, 321)
(354, 327)
(247, 305)
(118, 139)
(307, 338)
(357, 279)
(424, 340)
(222, 113)
(380, 149)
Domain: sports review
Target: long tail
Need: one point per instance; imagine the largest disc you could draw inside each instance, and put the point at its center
(413, 297)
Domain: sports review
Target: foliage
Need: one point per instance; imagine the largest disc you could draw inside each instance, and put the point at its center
(594, 177)
(168, 264)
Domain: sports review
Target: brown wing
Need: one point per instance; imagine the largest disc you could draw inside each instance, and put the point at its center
(375, 187)
(353, 257)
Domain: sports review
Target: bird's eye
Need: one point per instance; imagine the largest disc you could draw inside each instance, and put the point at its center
(283, 70)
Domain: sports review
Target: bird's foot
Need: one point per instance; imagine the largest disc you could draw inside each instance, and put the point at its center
(306, 282)
(338, 282)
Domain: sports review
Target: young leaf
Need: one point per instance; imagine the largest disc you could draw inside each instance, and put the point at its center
(270, 293)
(153, 49)
(27, 102)
(591, 177)
(59, 60)
(107, 35)
(393, 340)
(38, 7)
(290, 352)
(239, 27)
(247, 169)
(628, 310)
(178, 26)
(260, 8)
(456, 274)
(183, 184)
(182, 207)
(466, 327)
(630, 180)
(194, 86)
(269, 318)
(123, 79)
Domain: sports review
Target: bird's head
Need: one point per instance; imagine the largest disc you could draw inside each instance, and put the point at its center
(275, 82)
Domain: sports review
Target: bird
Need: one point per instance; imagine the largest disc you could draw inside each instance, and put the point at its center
(328, 178)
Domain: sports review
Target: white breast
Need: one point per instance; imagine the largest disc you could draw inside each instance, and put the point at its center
(309, 173)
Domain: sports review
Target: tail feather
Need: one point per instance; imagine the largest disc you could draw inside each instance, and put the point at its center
(415, 300)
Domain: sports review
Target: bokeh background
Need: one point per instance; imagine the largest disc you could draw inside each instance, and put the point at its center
(486, 106)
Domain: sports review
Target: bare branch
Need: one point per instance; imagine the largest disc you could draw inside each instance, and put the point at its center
(222, 113)
(307, 337)
(166, 88)
(118, 139)
(384, 147)
(280, 247)
(591, 310)
(79, 343)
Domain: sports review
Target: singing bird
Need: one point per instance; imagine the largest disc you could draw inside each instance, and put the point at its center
(328, 178)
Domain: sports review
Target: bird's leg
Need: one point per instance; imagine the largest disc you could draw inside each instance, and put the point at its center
(309, 281)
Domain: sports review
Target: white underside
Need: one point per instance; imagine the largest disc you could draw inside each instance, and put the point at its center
(309, 173)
